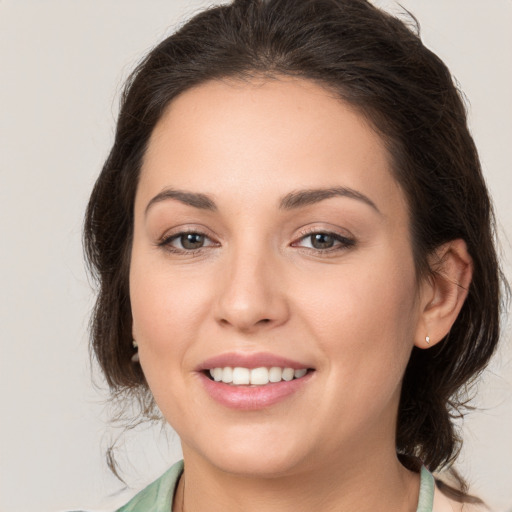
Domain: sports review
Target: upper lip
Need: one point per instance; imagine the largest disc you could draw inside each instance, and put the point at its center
(255, 360)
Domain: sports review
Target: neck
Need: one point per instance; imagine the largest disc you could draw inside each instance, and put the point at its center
(330, 487)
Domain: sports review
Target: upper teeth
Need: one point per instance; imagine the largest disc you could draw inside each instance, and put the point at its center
(255, 376)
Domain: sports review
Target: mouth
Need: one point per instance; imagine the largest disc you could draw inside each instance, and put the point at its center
(254, 381)
(262, 376)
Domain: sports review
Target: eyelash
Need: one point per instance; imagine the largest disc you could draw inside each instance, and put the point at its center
(167, 241)
(343, 242)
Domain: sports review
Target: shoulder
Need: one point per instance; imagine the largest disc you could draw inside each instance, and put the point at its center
(157, 496)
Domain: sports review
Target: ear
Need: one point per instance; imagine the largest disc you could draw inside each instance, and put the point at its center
(443, 292)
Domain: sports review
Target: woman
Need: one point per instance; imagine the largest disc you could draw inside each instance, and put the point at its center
(294, 244)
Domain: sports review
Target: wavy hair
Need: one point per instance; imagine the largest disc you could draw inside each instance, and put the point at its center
(379, 65)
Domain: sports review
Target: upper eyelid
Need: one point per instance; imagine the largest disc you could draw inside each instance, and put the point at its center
(314, 230)
(167, 240)
(180, 230)
(302, 234)
(339, 238)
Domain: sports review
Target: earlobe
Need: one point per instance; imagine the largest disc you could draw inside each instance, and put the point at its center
(443, 292)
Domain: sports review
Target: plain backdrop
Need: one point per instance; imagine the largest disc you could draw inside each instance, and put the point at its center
(62, 63)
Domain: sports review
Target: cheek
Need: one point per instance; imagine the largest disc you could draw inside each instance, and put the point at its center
(167, 308)
(364, 326)
(364, 316)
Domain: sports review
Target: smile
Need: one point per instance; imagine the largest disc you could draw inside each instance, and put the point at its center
(240, 376)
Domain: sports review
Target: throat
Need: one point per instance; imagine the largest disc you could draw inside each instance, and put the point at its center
(220, 491)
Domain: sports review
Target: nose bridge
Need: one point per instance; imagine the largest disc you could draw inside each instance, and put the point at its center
(252, 294)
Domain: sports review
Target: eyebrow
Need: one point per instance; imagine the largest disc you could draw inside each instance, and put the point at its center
(196, 200)
(291, 201)
(301, 198)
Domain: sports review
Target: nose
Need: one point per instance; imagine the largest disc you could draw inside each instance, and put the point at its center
(252, 294)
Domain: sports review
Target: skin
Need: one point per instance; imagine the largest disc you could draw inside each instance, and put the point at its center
(353, 312)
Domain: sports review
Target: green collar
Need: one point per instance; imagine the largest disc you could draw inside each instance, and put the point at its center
(158, 496)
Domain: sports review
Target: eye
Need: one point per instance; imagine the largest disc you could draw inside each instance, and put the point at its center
(191, 240)
(324, 241)
(186, 242)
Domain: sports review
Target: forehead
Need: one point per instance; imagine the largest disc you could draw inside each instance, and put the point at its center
(292, 133)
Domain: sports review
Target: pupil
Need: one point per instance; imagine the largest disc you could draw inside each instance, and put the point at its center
(192, 241)
(322, 241)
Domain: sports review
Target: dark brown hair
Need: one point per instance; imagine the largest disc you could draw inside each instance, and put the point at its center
(376, 63)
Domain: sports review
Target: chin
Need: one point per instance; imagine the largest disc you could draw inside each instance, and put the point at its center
(257, 465)
(255, 456)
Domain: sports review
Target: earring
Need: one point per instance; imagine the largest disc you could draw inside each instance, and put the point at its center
(135, 357)
(427, 339)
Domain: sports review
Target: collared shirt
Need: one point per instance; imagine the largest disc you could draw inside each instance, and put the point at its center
(158, 496)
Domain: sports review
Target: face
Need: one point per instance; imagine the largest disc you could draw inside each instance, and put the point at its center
(270, 233)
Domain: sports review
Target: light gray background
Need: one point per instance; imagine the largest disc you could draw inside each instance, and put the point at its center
(62, 63)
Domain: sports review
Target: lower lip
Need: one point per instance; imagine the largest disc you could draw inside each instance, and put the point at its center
(253, 397)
